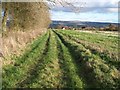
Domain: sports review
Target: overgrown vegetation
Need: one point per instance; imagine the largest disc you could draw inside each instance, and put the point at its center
(25, 15)
(22, 22)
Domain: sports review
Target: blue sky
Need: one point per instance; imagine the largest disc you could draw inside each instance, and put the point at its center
(92, 10)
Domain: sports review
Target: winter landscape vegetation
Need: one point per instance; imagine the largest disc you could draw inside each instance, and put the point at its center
(59, 45)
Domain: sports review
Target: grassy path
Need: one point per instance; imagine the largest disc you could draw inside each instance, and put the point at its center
(59, 59)
(70, 71)
(49, 72)
(33, 72)
(13, 75)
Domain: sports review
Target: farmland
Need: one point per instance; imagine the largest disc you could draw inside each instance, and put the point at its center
(66, 59)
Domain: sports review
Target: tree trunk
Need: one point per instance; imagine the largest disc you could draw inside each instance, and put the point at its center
(4, 20)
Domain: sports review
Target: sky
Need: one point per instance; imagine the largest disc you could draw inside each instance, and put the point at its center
(86, 10)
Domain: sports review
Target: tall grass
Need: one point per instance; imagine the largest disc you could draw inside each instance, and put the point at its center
(15, 42)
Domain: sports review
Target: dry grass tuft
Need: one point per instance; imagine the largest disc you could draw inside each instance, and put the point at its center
(16, 42)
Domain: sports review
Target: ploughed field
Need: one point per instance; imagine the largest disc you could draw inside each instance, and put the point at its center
(66, 59)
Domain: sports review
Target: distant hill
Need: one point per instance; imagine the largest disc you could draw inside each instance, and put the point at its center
(80, 24)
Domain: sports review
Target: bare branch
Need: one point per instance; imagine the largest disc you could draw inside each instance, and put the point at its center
(66, 3)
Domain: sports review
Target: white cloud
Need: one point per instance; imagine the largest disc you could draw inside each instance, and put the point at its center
(90, 3)
(101, 6)
(94, 10)
(112, 9)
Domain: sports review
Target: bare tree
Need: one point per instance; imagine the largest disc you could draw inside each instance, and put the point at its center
(31, 14)
(68, 3)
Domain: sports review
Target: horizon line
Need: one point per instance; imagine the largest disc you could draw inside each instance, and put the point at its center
(86, 21)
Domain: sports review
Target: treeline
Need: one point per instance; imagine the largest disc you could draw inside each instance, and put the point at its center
(110, 27)
(24, 15)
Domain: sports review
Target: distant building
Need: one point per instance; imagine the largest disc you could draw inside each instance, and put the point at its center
(101, 29)
(111, 27)
(63, 28)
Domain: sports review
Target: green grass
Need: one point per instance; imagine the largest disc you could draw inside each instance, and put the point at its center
(12, 75)
(111, 56)
(69, 67)
(66, 59)
(100, 72)
(108, 42)
(48, 72)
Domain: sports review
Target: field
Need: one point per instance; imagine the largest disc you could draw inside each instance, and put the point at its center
(66, 59)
